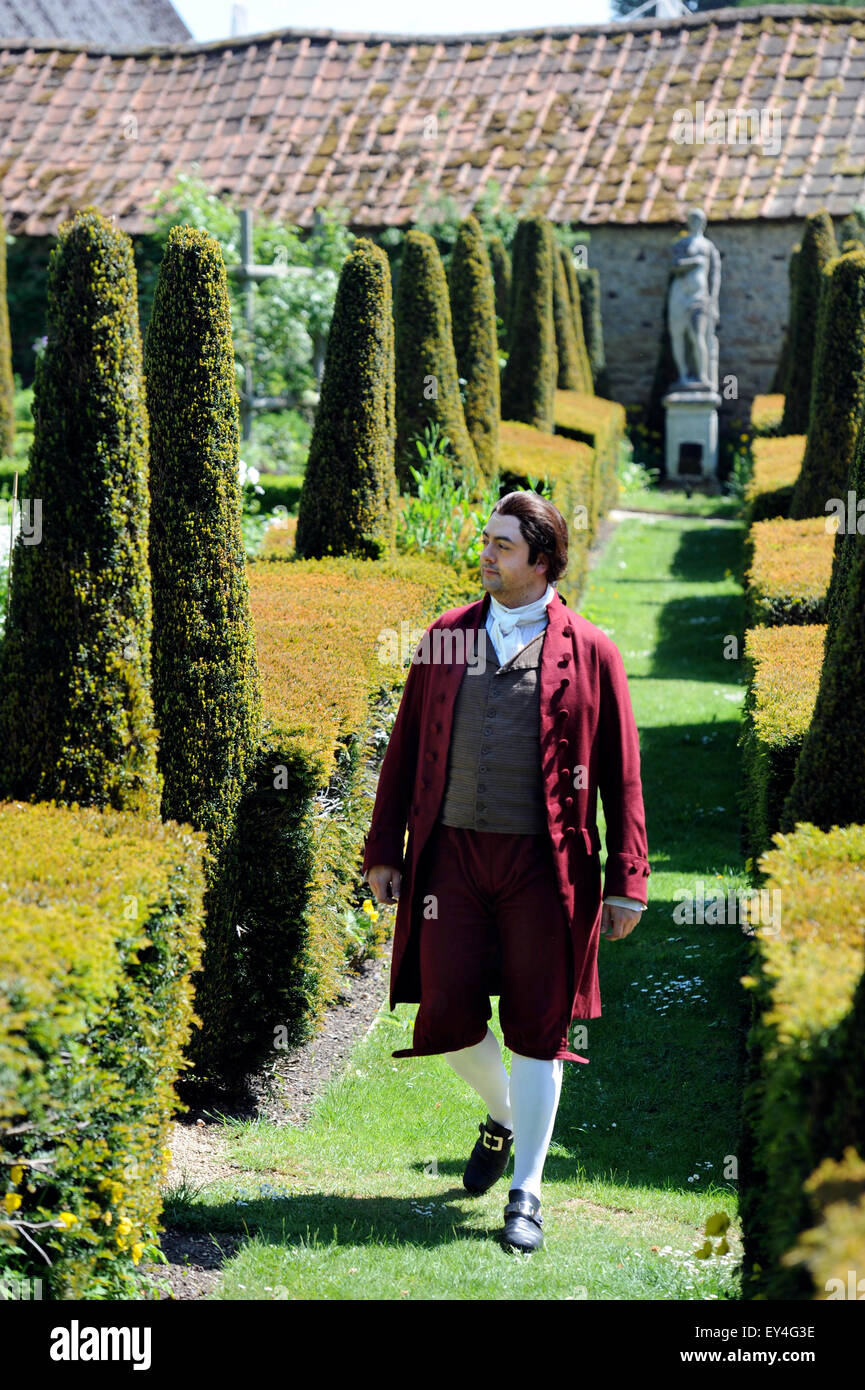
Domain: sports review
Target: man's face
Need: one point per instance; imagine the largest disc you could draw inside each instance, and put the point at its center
(505, 568)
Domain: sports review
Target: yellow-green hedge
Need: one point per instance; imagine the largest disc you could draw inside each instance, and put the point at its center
(102, 917)
(321, 628)
(601, 424)
(776, 467)
(525, 453)
(766, 412)
(804, 1097)
(833, 1249)
(783, 667)
(789, 568)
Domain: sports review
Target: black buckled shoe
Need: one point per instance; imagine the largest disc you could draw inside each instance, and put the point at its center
(523, 1221)
(489, 1157)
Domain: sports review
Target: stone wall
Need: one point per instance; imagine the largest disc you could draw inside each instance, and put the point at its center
(634, 265)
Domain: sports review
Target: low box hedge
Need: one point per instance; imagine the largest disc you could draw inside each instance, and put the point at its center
(777, 463)
(789, 568)
(804, 1094)
(783, 668)
(766, 413)
(102, 918)
(601, 424)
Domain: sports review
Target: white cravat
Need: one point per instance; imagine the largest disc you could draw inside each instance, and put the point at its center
(510, 630)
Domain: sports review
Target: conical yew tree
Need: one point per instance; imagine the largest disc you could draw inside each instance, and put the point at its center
(818, 248)
(473, 315)
(76, 711)
(427, 384)
(349, 491)
(837, 388)
(529, 377)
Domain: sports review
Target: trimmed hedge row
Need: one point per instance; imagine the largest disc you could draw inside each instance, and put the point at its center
(777, 463)
(601, 424)
(325, 694)
(783, 665)
(804, 1095)
(789, 568)
(766, 412)
(102, 920)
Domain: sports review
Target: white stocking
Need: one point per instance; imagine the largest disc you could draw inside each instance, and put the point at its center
(536, 1086)
(482, 1067)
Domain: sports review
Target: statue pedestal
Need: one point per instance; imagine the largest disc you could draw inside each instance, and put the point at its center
(691, 432)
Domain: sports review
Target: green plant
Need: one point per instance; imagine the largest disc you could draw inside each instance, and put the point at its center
(634, 477)
(741, 473)
(439, 517)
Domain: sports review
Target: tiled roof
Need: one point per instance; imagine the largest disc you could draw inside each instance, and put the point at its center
(100, 21)
(291, 120)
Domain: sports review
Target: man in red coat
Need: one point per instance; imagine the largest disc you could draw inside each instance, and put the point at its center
(514, 715)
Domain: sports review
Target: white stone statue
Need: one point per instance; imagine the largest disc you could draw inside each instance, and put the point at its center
(693, 307)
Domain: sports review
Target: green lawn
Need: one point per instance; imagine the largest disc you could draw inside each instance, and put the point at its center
(367, 1202)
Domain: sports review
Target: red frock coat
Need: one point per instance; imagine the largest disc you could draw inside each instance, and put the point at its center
(587, 728)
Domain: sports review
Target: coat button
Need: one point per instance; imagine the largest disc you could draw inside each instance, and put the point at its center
(569, 801)
(561, 714)
(568, 830)
(567, 632)
(564, 661)
(440, 699)
(429, 757)
(563, 743)
(564, 681)
(565, 774)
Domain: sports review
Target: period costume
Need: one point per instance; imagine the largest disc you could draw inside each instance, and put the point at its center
(511, 721)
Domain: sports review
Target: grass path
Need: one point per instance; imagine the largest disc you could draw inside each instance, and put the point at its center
(366, 1201)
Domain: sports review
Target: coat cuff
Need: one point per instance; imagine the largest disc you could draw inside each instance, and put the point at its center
(625, 877)
(383, 847)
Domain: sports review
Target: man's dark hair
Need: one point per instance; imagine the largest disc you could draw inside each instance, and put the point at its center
(542, 527)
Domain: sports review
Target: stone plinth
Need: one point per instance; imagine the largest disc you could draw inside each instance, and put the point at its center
(692, 422)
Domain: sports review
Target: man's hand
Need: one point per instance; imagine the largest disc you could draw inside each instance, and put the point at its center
(381, 880)
(617, 922)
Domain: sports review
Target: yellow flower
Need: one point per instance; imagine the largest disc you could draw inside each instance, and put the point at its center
(17, 1173)
(367, 907)
(124, 1227)
(12, 1201)
(68, 1218)
(107, 1218)
(121, 1242)
(137, 1252)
